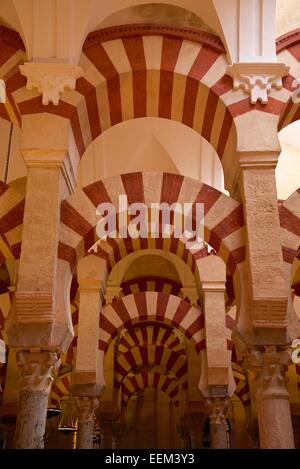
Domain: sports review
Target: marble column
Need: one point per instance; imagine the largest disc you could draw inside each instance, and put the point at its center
(217, 423)
(85, 407)
(274, 413)
(35, 385)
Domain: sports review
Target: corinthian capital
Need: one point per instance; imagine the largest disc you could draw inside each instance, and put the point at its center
(51, 79)
(85, 407)
(218, 410)
(37, 370)
(269, 367)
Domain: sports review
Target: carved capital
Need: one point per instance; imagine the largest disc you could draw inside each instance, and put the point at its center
(112, 293)
(51, 79)
(37, 370)
(85, 407)
(191, 294)
(269, 367)
(257, 79)
(218, 410)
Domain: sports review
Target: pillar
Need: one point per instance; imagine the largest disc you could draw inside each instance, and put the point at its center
(35, 385)
(87, 376)
(274, 413)
(267, 284)
(217, 423)
(85, 407)
(39, 325)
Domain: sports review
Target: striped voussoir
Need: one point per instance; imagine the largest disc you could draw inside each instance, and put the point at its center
(141, 70)
(11, 220)
(230, 325)
(60, 388)
(151, 283)
(152, 306)
(149, 356)
(288, 51)
(150, 379)
(150, 344)
(289, 215)
(242, 390)
(223, 218)
(12, 54)
(151, 333)
(149, 74)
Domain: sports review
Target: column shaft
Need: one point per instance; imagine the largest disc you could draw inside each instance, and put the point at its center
(35, 384)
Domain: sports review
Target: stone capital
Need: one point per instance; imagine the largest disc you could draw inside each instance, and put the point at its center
(51, 159)
(43, 158)
(37, 370)
(218, 409)
(269, 365)
(112, 293)
(191, 294)
(257, 79)
(214, 286)
(258, 159)
(51, 79)
(85, 407)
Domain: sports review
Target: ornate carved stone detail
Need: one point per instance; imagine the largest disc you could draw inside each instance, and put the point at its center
(257, 79)
(218, 410)
(51, 79)
(128, 30)
(37, 370)
(112, 293)
(269, 367)
(85, 407)
(191, 294)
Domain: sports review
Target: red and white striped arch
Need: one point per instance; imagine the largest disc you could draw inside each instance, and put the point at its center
(223, 217)
(289, 214)
(150, 333)
(150, 355)
(152, 306)
(11, 220)
(154, 72)
(288, 51)
(147, 379)
(151, 283)
(12, 54)
(141, 70)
